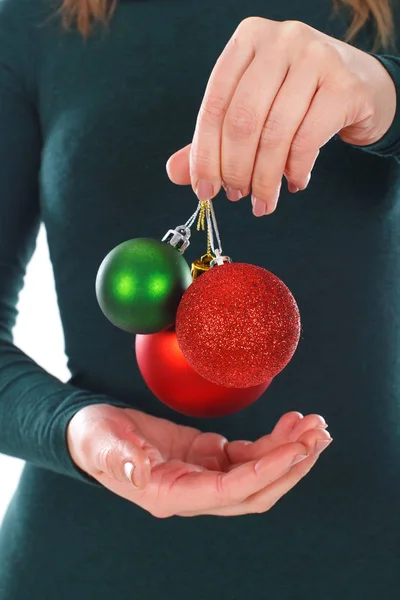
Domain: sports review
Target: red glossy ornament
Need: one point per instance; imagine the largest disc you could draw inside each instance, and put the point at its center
(173, 381)
(238, 325)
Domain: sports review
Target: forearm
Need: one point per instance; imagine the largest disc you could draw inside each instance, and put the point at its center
(35, 409)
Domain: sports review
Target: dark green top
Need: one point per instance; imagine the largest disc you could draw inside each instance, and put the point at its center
(86, 129)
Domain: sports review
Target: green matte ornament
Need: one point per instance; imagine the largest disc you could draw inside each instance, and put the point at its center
(140, 283)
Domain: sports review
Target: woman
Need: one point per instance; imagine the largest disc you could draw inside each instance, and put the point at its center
(89, 116)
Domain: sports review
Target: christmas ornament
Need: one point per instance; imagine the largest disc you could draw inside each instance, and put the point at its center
(238, 324)
(173, 381)
(140, 282)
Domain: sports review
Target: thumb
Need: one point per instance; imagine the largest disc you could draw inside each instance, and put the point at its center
(104, 440)
(121, 459)
(178, 168)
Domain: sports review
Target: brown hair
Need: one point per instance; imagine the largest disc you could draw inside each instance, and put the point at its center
(85, 12)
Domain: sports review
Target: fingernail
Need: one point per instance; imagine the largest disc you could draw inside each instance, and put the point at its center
(324, 423)
(321, 445)
(259, 207)
(292, 188)
(271, 206)
(298, 458)
(204, 190)
(129, 469)
(232, 194)
(308, 180)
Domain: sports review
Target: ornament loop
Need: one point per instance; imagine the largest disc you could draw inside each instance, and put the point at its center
(178, 238)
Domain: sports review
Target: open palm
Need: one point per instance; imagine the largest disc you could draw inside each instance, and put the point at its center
(178, 470)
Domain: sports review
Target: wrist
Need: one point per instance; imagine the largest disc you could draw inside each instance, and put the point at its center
(385, 101)
(72, 434)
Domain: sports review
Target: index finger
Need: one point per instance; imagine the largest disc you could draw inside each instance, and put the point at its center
(205, 154)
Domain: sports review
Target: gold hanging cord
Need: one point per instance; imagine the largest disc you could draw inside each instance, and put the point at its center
(202, 265)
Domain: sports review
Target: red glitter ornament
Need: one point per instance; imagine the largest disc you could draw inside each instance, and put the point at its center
(238, 325)
(173, 381)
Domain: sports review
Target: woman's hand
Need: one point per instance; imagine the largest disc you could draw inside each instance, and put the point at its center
(278, 92)
(169, 469)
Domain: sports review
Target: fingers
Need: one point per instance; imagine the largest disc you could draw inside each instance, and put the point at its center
(285, 424)
(208, 451)
(254, 151)
(240, 451)
(282, 121)
(205, 156)
(310, 422)
(198, 491)
(305, 432)
(277, 94)
(178, 166)
(244, 122)
(289, 428)
(265, 499)
(268, 497)
(313, 133)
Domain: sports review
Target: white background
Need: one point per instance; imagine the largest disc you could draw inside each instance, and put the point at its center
(38, 333)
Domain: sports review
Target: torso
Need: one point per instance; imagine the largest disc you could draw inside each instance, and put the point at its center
(112, 111)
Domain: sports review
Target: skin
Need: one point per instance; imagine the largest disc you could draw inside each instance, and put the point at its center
(181, 471)
(277, 94)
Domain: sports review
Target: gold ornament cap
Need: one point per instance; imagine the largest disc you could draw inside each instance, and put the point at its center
(201, 265)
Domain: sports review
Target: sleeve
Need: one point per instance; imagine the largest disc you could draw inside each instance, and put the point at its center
(389, 144)
(35, 407)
